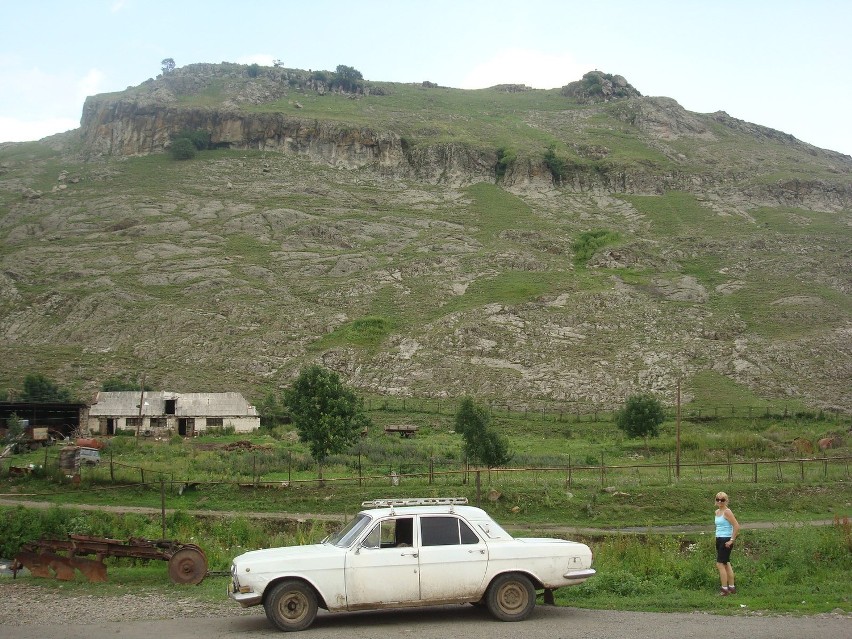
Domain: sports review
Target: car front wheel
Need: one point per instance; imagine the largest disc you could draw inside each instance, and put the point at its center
(511, 597)
(292, 605)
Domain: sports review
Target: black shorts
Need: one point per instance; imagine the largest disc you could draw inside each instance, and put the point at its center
(723, 552)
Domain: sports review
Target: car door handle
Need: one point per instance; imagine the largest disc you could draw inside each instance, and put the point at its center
(408, 554)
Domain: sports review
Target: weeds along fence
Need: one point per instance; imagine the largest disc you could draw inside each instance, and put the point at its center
(249, 469)
(588, 413)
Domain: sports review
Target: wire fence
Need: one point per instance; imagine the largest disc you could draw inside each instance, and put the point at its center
(582, 412)
(249, 470)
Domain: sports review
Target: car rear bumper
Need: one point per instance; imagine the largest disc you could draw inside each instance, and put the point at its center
(579, 575)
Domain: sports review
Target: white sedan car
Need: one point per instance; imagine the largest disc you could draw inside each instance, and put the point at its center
(408, 552)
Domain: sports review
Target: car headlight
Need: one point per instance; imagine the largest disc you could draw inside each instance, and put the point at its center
(234, 578)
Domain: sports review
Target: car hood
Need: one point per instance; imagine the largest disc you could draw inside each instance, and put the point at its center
(291, 556)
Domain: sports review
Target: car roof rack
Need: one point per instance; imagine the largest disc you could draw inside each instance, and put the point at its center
(415, 501)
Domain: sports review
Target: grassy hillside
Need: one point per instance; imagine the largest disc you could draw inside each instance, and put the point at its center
(232, 270)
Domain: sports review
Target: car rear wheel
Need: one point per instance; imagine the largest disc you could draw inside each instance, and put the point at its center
(292, 605)
(511, 597)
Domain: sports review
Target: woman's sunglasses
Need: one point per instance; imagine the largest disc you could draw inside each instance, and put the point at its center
(721, 499)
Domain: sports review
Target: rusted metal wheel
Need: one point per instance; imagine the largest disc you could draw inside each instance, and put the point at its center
(188, 566)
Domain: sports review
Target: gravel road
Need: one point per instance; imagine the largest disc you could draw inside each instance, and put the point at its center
(32, 612)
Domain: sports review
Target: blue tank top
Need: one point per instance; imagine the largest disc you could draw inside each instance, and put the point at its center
(724, 528)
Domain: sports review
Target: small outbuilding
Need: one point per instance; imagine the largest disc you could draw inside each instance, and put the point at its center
(162, 412)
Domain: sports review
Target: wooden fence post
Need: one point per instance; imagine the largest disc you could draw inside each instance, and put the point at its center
(669, 470)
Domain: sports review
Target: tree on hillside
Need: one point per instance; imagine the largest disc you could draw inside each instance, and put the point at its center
(482, 444)
(183, 149)
(38, 388)
(272, 411)
(641, 416)
(168, 65)
(347, 78)
(327, 415)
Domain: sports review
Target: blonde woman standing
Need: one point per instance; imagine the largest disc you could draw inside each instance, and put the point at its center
(727, 529)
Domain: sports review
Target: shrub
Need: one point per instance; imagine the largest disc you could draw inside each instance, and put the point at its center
(199, 138)
(505, 158)
(253, 70)
(555, 164)
(589, 242)
(183, 149)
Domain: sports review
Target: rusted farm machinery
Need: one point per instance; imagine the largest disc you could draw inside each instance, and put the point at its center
(187, 562)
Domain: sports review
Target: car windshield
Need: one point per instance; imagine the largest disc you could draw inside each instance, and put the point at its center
(346, 535)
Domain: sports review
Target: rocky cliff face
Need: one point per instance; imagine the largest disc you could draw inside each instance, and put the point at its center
(430, 215)
(146, 119)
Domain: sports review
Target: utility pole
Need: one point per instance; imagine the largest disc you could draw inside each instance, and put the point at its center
(141, 400)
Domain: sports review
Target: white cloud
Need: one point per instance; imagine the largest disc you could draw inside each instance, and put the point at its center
(118, 5)
(263, 59)
(17, 130)
(536, 69)
(90, 84)
(36, 103)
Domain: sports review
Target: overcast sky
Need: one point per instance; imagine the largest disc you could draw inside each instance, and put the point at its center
(784, 64)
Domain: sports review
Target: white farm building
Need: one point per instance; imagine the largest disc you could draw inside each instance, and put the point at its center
(158, 412)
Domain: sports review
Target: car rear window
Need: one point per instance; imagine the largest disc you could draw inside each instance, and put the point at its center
(446, 531)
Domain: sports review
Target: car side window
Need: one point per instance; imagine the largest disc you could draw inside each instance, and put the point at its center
(446, 531)
(391, 533)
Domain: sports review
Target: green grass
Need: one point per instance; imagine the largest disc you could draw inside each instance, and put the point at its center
(365, 332)
(792, 569)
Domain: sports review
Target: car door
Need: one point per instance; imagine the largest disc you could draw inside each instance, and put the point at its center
(453, 559)
(383, 568)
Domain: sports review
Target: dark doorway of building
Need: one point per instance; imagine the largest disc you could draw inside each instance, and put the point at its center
(186, 426)
(110, 430)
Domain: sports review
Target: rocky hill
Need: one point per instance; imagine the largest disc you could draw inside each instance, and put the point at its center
(528, 247)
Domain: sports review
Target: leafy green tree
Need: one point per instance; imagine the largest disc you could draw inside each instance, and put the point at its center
(14, 427)
(347, 78)
(199, 138)
(253, 70)
(38, 388)
(641, 416)
(168, 65)
(482, 444)
(272, 411)
(183, 149)
(327, 415)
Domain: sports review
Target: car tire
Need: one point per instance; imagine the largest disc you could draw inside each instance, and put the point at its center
(291, 606)
(511, 597)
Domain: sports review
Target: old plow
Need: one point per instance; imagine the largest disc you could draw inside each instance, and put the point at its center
(187, 562)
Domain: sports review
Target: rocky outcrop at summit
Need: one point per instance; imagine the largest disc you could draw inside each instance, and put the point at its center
(145, 119)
